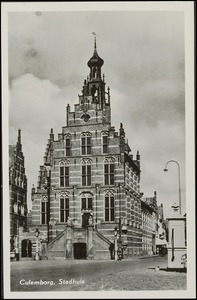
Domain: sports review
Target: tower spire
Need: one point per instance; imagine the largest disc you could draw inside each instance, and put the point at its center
(95, 35)
(95, 43)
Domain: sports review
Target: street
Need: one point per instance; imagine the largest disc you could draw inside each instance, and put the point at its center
(95, 275)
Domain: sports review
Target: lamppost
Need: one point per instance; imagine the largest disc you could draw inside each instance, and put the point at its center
(116, 245)
(165, 170)
(37, 232)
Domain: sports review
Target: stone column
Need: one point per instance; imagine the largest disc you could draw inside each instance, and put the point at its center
(68, 236)
(90, 253)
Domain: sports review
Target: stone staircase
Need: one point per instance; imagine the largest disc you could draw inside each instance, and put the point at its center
(56, 239)
(101, 236)
(102, 246)
(56, 248)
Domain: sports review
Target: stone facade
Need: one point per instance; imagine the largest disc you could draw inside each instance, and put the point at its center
(17, 192)
(147, 228)
(89, 179)
(149, 224)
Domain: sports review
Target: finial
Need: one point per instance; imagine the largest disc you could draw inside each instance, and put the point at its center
(19, 136)
(94, 40)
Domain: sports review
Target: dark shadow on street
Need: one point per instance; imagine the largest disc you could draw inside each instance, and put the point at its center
(180, 270)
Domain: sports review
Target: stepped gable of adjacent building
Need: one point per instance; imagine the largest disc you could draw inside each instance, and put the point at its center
(18, 191)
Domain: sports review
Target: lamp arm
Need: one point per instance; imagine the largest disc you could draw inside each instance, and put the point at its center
(179, 181)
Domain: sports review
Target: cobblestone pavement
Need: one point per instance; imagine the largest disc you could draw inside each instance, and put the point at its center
(139, 280)
(126, 275)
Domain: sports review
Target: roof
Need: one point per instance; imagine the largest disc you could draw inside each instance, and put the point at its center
(145, 205)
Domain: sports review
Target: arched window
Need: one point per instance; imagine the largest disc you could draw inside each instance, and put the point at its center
(64, 173)
(109, 206)
(86, 143)
(109, 171)
(67, 137)
(44, 210)
(105, 141)
(86, 172)
(86, 208)
(64, 207)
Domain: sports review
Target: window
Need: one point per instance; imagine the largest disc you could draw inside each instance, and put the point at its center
(86, 203)
(64, 176)
(44, 207)
(109, 174)
(19, 208)
(109, 208)
(105, 144)
(68, 147)
(64, 209)
(15, 196)
(86, 145)
(86, 175)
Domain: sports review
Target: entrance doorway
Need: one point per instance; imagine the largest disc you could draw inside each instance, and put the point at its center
(26, 248)
(85, 219)
(79, 250)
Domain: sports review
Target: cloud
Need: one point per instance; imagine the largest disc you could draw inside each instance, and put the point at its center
(144, 67)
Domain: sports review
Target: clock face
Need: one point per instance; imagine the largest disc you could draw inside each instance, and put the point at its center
(85, 117)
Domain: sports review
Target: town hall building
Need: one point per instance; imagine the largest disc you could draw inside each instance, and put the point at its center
(89, 184)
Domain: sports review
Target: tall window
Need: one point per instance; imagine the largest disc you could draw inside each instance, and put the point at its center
(86, 145)
(86, 175)
(64, 176)
(86, 203)
(64, 209)
(109, 174)
(44, 207)
(109, 208)
(15, 196)
(105, 144)
(68, 147)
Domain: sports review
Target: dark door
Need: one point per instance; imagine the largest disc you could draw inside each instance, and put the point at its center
(85, 219)
(80, 251)
(29, 248)
(24, 248)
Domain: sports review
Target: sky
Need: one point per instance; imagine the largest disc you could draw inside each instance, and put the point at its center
(144, 66)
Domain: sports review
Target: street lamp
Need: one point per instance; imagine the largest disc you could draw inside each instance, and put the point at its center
(165, 170)
(37, 232)
(116, 245)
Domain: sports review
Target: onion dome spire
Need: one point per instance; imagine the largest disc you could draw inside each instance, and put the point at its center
(95, 60)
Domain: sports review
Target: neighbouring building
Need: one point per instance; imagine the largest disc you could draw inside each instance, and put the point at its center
(150, 223)
(17, 192)
(147, 228)
(89, 183)
(162, 236)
